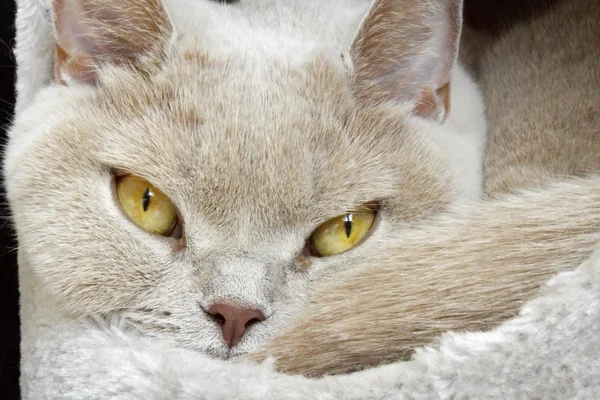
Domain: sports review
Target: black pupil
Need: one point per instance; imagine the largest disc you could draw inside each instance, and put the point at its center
(348, 224)
(146, 200)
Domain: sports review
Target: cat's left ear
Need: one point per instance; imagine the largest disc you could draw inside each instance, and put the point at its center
(93, 33)
(405, 51)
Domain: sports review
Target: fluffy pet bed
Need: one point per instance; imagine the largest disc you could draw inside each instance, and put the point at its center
(550, 350)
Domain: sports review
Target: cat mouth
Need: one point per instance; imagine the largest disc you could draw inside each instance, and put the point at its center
(225, 353)
(235, 353)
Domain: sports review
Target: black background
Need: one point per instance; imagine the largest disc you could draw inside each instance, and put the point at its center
(9, 322)
(490, 15)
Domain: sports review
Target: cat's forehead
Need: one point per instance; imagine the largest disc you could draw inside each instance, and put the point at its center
(223, 139)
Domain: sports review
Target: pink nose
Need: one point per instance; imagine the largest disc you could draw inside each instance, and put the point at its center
(234, 321)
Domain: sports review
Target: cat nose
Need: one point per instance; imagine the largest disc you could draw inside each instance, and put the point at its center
(234, 321)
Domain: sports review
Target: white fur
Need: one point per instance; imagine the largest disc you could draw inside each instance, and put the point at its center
(258, 31)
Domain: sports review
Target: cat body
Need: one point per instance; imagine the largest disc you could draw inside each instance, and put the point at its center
(553, 77)
(469, 267)
(259, 121)
(540, 81)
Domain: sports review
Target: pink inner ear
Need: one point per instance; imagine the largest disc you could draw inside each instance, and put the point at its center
(405, 51)
(74, 50)
(434, 104)
(82, 68)
(71, 30)
(94, 32)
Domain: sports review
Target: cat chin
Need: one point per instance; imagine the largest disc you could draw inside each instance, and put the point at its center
(224, 353)
(215, 347)
(247, 346)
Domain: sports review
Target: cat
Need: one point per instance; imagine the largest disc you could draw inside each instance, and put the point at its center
(196, 167)
(79, 255)
(540, 82)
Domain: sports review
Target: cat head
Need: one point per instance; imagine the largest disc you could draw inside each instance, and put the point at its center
(201, 191)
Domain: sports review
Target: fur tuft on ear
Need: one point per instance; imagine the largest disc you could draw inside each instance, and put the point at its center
(405, 51)
(90, 33)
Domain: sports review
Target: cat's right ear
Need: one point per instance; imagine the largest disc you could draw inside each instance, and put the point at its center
(93, 33)
(405, 51)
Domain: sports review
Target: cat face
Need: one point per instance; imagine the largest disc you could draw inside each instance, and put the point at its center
(250, 158)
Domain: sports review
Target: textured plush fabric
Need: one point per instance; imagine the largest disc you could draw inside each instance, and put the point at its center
(551, 350)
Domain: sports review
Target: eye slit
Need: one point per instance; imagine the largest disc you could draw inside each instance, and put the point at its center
(342, 233)
(148, 207)
(146, 199)
(348, 224)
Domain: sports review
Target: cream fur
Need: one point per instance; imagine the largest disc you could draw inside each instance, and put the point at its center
(152, 121)
(222, 149)
(541, 94)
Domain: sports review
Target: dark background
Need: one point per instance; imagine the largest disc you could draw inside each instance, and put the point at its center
(489, 15)
(9, 320)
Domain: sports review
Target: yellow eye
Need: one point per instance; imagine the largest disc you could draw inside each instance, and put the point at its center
(342, 233)
(146, 205)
